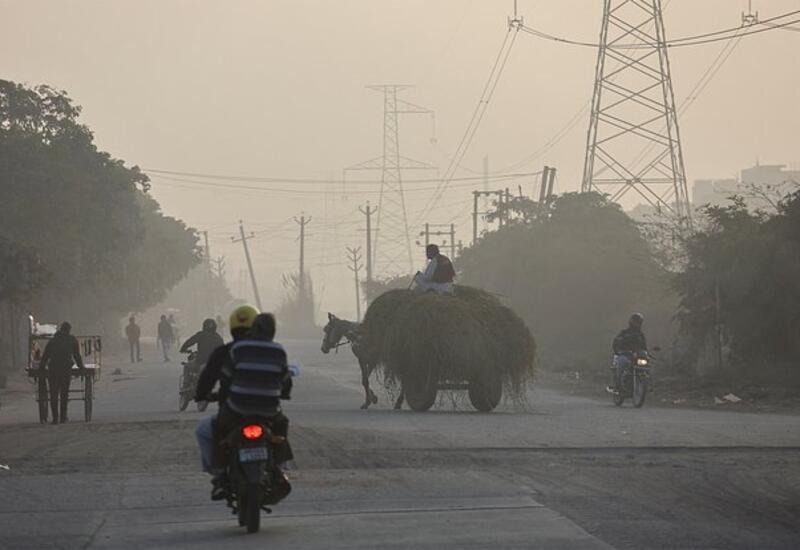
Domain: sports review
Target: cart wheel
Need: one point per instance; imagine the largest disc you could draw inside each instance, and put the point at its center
(486, 391)
(420, 394)
(43, 400)
(88, 397)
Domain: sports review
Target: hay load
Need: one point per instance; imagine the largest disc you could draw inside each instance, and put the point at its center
(466, 341)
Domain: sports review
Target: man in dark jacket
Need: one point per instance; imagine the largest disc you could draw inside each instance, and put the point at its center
(57, 359)
(207, 340)
(133, 332)
(629, 341)
(253, 377)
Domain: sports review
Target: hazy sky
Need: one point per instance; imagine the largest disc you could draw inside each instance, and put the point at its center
(276, 88)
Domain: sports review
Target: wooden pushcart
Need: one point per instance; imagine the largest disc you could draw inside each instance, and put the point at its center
(91, 349)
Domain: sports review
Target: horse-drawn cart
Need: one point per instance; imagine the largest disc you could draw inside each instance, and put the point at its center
(427, 343)
(91, 349)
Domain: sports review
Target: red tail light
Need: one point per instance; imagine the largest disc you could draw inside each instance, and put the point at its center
(253, 431)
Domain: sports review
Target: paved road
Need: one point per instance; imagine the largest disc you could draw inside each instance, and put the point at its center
(568, 472)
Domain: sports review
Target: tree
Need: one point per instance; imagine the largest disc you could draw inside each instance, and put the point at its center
(741, 286)
(574, 268)
(102, 238)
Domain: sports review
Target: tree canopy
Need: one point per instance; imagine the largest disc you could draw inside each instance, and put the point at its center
(104, 243)
(743, 277)
(575, 268)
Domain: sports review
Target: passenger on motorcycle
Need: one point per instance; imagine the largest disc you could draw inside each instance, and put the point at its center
(629, 341)
(253, 377)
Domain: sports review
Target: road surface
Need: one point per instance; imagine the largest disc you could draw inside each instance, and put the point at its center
(568, 472)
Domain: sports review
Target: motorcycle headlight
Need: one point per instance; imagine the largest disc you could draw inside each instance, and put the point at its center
(642, 362)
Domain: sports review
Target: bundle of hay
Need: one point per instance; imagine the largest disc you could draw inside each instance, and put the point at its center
(469, 337)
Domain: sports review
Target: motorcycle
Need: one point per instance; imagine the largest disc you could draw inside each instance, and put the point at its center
(255, 482)
(187, 385)
(634, 380)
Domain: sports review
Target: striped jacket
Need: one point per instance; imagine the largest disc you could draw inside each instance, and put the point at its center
(256, 377)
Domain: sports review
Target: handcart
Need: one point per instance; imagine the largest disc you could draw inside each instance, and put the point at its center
(91, 349)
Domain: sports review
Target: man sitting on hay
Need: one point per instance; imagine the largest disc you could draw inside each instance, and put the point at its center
(438, 275)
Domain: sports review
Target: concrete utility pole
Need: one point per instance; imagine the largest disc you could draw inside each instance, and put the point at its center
(243, 239)
(354, 255)
(548, 181)
(209, 291)
(302, 222)
(368, 213)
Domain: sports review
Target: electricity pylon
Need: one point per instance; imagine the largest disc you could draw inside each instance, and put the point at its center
(634, 141)
(392, 247)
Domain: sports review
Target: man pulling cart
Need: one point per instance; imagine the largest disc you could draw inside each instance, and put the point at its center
(55, 358)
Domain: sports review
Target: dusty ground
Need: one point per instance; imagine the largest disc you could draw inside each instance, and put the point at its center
(570, 472)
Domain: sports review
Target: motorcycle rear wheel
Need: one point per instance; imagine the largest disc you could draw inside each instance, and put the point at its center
(252, 500)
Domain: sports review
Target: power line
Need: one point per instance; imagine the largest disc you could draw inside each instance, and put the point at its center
(705, 38)
(185, 182)
(477, 116)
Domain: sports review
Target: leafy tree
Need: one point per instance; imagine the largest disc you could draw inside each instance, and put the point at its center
(742, 285)
(107, 246)
(574, 268)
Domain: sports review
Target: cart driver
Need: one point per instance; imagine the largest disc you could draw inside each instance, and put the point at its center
(439, 273)
(58, 357)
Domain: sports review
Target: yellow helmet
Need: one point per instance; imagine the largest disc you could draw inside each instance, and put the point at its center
(242, 317)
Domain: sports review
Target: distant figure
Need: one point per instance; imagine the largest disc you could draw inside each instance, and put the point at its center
(628, 342)
(166, 336)
(133, 332)
(438, 275)
(58, 358)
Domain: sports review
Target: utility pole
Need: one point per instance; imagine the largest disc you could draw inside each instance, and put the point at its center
(368, 213)
(634, 142)
(449, 232)
(354, 255)
(243, 239)
(302, 222)
(209, 290)
(475, 196)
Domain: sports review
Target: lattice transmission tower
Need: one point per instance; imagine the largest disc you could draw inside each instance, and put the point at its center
(391, 249)
(633, 143)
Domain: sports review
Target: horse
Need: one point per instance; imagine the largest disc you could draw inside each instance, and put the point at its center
(339, 329)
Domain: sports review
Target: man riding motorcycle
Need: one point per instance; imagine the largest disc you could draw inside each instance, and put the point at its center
(629, 341)
(207, 340)
(253, 376)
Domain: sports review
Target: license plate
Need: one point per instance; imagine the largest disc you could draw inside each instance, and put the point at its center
(254, 454)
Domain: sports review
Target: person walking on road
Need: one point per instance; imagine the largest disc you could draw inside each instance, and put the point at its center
(133, 332)
(166, 336)
(61, 352)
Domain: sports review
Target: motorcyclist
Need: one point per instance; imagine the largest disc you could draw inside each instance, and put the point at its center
(629, 341)
(207, 340)
(252, 344)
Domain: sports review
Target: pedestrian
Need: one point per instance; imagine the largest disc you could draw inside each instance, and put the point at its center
(166, 336)
(57, 359)
(133, 332)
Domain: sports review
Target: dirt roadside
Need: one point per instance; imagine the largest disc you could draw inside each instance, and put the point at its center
(711, 393)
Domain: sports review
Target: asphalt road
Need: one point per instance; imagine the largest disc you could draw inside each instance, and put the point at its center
(567, 472)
